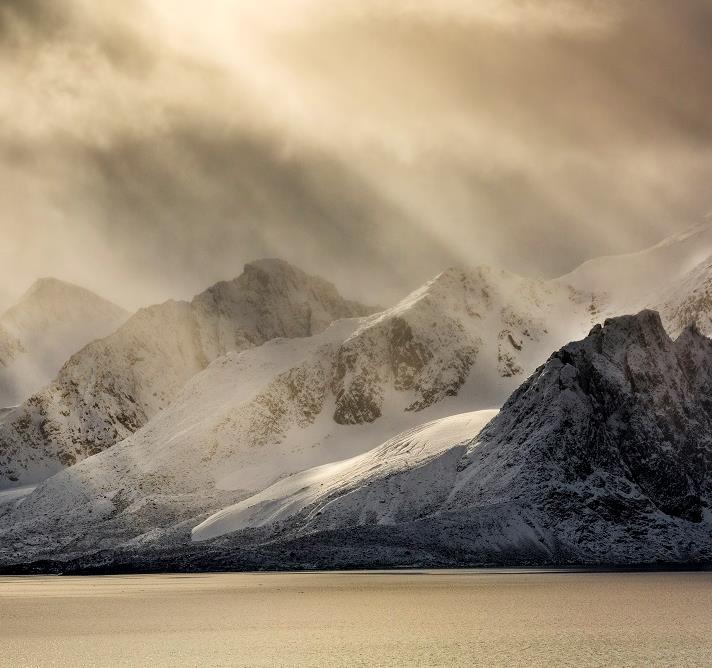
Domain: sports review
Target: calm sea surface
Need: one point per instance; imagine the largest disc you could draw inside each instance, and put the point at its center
(413, 618)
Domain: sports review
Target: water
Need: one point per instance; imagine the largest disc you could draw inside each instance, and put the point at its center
(418, 618)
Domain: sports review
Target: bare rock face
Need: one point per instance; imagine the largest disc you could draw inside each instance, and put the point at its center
(481, 326)
(391, 354)
(603, 456)
(115, 385)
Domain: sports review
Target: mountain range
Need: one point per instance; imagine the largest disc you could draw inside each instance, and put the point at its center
(257, 422)
(113, 386)
(604, 455)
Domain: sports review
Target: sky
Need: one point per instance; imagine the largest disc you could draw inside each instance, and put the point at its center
(149, 148)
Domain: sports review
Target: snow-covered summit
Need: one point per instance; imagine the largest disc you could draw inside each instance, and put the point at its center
(52, 320)
(50, 305)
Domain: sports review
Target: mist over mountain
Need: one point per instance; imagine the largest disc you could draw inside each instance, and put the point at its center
(149, 150)
(407, 302)
(50, 322)
(113, 386)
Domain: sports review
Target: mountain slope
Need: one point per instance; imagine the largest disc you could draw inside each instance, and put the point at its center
(50, 322)
(252, 417)
(673, 277)
(10, 348)
(687, 301)
(603, 456)
(113, 386)
(290, 496)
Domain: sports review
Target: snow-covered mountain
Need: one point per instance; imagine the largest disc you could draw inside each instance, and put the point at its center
(636, 279)
(115, 385)
(474, 334)
(673, 277)
(252, 417)
(50, 322)
(462, 342)
(687, 300)
(603, 456)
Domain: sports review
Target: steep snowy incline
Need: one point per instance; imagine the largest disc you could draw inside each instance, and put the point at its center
(474, 334)
(410, 449)
(50, 322)
(114, 385)
(603, 456)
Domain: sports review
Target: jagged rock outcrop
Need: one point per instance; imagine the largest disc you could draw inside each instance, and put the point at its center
(603, 456)
(115, 385)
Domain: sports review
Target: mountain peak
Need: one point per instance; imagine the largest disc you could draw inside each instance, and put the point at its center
(49, 285)
(644, 324)
(270, 285)
(274, 273)
(271, 265)
(480, 272)
(50, 292)
(51, 302)
(51, 321)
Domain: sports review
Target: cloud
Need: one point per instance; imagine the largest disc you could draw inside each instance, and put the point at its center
(151, 147)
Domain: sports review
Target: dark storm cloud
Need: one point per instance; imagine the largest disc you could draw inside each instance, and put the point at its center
(30, 16)
(150, 148)
(216, 199)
